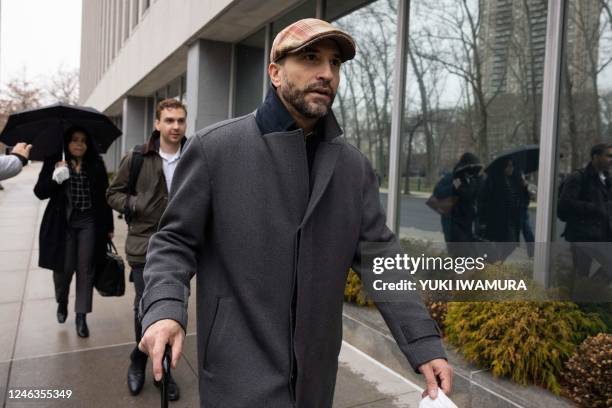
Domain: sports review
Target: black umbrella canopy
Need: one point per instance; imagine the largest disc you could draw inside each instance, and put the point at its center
(44, 128)
(524, 158)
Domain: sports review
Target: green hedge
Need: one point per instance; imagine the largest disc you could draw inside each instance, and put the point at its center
(528, 341)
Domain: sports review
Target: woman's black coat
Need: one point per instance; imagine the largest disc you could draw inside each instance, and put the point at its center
(502, 219)
(52, 240)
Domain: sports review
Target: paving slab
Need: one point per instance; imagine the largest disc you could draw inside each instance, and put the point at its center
(97, 378)
(190, 351)
(40, 334)
(363, 382)
(13, 283)
(9, 313)
(14, 260)
(15, 241)
(39, 285)
(110, 323)
(34, 258)
(4, 372)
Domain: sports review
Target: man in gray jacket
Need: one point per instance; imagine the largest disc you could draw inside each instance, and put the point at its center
(140, 191)
(269, 211)
(11, 164)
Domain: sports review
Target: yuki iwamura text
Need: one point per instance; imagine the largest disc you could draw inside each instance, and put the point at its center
(404, 262)
(450, 285)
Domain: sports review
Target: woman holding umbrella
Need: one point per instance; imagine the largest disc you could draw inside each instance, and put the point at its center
(77, 223)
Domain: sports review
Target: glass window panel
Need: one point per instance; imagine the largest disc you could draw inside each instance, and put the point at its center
(338, 8)
(304, 10)
(183, 89)
(585, 119)
(249, 73)
(364, 99)
(474, 85)
(174, 88)
(586, 83)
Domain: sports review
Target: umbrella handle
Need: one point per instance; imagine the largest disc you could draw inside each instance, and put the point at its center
(61, 119)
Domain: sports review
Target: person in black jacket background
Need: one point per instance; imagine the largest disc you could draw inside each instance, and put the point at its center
(77, 223)
(585, 204)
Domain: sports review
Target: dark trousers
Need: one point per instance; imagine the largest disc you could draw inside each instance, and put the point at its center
(137, 270)
(80, 241)
(527, 233)
(582, 260)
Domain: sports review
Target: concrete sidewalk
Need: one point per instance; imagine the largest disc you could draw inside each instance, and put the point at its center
(36, 352)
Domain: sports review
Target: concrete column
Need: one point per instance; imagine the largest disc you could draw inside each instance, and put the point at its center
(104, 45)
(133, 14)
(208, 83)
(320, 9)
(111, 30)
(133, 124)
(141, 8)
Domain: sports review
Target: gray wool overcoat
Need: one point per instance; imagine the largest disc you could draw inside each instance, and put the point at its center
(271, 262)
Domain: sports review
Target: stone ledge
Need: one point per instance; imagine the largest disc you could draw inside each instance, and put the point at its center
(365, 329)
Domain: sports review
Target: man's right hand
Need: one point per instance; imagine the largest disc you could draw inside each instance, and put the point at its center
(154, 340)
(22, 149)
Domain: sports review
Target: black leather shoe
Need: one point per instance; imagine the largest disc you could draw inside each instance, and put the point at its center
(136, 371)
(81, 325)
(62, 312)
(173, 389)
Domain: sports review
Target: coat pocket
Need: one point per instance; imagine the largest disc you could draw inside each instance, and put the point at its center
(215, 336)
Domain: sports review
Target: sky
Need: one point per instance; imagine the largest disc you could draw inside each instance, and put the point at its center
(37, 37)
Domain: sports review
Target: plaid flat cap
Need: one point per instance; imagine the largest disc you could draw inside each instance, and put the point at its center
(303, 33)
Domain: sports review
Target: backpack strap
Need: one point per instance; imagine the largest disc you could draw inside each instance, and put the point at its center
(135, 167)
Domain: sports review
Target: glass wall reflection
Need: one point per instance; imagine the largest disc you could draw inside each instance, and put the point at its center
(472, 121)
(583, 226)
(305, 10)
(364, 99)
(249, 73)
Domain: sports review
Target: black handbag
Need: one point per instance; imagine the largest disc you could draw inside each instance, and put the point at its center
(110, 277)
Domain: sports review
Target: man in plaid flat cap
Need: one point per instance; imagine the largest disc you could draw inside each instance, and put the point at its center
(270, 210)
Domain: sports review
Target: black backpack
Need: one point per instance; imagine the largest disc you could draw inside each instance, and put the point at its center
(135, 167)
(561, 215)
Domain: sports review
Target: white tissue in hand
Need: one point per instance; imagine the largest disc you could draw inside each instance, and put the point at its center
(61, 174)
(441, 401)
